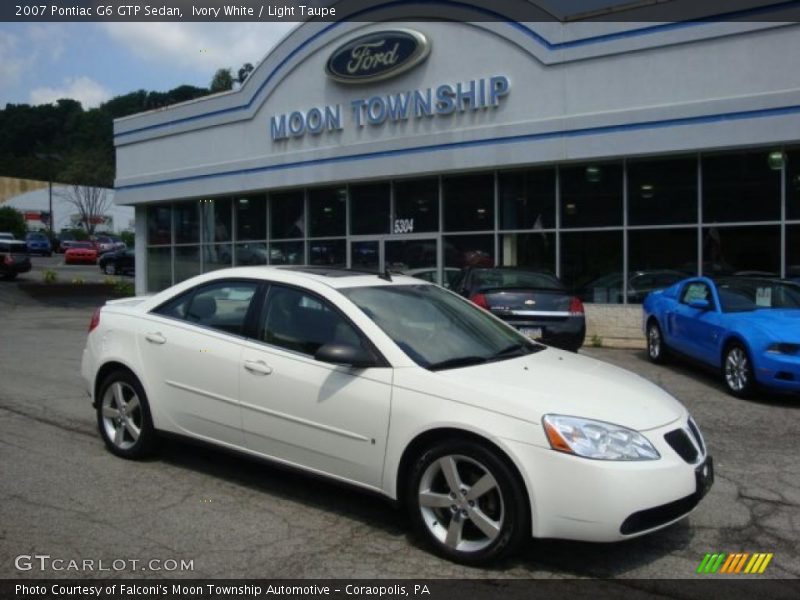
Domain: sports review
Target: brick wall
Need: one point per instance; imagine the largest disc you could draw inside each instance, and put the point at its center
(614, 325)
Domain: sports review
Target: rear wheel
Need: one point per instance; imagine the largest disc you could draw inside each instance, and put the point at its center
(656, 348)
(737, 371)
(467, 503)
(123, 416)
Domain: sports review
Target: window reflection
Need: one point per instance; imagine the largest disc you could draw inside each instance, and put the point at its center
(740, 186)
(662, 191)
(369, 208)
(591, 195)
(287, 218)
(592, 265)
(216, 218)
(531, 250)
(159, 224)
(741, 251)
(326, 211)
(469, 202)
(251, 217)
(657, 258)
(527, 199)
(418, 200)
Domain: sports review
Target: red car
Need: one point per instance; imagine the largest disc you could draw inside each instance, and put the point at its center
(81, 252)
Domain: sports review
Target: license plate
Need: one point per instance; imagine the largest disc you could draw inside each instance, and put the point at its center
(704, 476)
(534, 333)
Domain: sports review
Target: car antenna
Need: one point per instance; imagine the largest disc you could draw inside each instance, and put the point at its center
(386, 275)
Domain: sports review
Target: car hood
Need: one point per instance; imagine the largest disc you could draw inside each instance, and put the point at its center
(776, 321)
(557, 382)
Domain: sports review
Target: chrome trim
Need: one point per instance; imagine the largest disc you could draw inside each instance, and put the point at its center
(539, 313)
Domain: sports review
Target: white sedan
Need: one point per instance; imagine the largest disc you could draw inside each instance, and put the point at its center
(400, 387)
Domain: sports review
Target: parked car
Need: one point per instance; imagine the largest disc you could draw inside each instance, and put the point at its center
(14, 258)
(450, 275)
(105, 243)
(492, 437)
(4, 235)
(80, 252)
(38, 243)
(117, 262)
(63, 241)
(608, 288)
(747, 328)
(534, 302)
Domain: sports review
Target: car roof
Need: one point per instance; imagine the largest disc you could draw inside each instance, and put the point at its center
(336, 278)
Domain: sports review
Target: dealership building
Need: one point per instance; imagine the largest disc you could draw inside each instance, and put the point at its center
(619, 156)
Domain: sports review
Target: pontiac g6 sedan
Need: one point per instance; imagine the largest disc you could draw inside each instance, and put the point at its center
(403, 388)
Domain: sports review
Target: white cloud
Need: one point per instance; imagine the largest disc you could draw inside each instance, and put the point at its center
(11, 64)
(83, 89)
(203, 47)
(47, 39)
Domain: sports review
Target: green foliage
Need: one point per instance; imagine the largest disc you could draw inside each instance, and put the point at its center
(49, 276)
(124, 288)
(222, 81)
(244, 73)
(596, 341)
(12, 221)
(80, 234)
(128, 237)
(78, 281)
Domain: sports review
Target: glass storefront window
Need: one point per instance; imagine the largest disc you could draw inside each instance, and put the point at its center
(251, 217)
(469, 202)
(159, 224)
(468, 251)
(249, 254)
(187, 262)
(417, 201)
(287, 253)
(591, 195)
(216, 219)
(740, 186)
(287, 217)
(327, 253)
(662, 191)
(187, 222)
(365, 256)
(159, 269)
(793, 185)
(742, 250)
(535, 251)
(793, 253)
(527, 199)
(369, 208)
(657, 258)
(591, 265)
(216, 256)
(327, 208)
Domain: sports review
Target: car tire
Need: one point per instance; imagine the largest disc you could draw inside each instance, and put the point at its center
(460, 526)
(737, 371)
(123, 416)
(656, 346)
(110, 269)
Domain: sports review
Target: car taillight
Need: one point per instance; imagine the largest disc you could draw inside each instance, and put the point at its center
(95, 320)
(480, 300)
(576, 306)
(8, 260)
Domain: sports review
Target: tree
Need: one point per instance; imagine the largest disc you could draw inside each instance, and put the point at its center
(86, 174)
(244, 73)
(12, 221)
(222, 81)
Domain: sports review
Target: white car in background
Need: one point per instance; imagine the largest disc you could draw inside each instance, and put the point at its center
(403, 388)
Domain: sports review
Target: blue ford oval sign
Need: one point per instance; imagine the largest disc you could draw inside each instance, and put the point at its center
(377, 56)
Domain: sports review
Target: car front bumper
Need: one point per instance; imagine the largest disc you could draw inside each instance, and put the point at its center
(607, 501)
(779, 371)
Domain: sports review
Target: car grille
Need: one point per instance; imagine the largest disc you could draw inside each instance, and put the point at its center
(680, 442)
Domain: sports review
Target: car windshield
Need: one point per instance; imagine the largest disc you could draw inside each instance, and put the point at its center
(741, 295)
(437, 329)
(82, 245)
(512, 278)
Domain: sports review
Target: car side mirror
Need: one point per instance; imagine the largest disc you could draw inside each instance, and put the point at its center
(345, 354)
(700, 304)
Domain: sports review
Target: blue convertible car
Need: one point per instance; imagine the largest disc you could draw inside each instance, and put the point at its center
(747, 328)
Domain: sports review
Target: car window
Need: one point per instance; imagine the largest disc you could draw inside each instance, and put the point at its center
(747, 295)
(696, 291)
(221, 305)
(302, 322)
(512, 278)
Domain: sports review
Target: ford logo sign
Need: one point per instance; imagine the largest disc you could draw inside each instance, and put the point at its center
(377, 56)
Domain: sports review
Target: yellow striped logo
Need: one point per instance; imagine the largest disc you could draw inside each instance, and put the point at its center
(735, 563)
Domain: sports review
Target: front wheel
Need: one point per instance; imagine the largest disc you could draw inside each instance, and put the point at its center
(123, 416)
(656, 348)
(467, 502)
(737, 371)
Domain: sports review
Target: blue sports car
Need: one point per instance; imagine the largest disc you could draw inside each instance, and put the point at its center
(748, 328)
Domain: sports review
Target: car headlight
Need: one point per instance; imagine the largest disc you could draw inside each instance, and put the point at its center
(596, 439)
(783, 348)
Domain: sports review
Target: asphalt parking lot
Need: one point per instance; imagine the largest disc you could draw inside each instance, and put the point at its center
(64, 273)
(65, 496)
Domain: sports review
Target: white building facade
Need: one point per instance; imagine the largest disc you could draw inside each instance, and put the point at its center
(616, 155)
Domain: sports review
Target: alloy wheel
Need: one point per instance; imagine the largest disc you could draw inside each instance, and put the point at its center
(122, 415)
(737, 369)
(654, 342)
(461, 503)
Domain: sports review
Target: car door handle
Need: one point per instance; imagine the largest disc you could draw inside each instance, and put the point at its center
(155, 338)
(257, 367)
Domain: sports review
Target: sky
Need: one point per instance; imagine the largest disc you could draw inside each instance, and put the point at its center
(93, 62)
